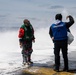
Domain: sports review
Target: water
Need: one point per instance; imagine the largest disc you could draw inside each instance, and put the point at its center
(41, 14)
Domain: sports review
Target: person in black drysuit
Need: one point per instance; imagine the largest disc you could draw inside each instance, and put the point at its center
(58, 33)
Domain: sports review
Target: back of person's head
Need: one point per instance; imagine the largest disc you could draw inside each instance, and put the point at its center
(58, 17)
(26, 21)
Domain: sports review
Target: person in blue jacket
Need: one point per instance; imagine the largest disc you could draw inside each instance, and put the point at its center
(58, 33)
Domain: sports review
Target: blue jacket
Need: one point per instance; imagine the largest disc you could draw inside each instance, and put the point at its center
(59, 31)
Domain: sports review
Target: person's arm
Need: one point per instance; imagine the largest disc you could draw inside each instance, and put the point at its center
(21, 34)
(51, 34)
(33, 39)
(71, 21)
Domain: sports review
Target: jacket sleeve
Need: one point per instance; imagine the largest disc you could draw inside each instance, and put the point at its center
(33, 33)
(50, 32)
(21, 33)
(71, 22)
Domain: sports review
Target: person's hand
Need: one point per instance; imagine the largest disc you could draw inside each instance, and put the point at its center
(20, 45)
(52, 38)
(33, 40)
(67, 17)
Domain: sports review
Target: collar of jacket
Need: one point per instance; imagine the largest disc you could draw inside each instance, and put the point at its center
(57, 21)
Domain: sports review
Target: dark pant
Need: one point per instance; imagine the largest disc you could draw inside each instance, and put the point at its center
(27, 50)
(64, 47)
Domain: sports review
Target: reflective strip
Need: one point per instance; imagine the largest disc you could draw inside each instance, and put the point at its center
(58, 26)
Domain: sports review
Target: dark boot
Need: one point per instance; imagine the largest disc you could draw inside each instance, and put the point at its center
(66, 69)
(56, 68)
